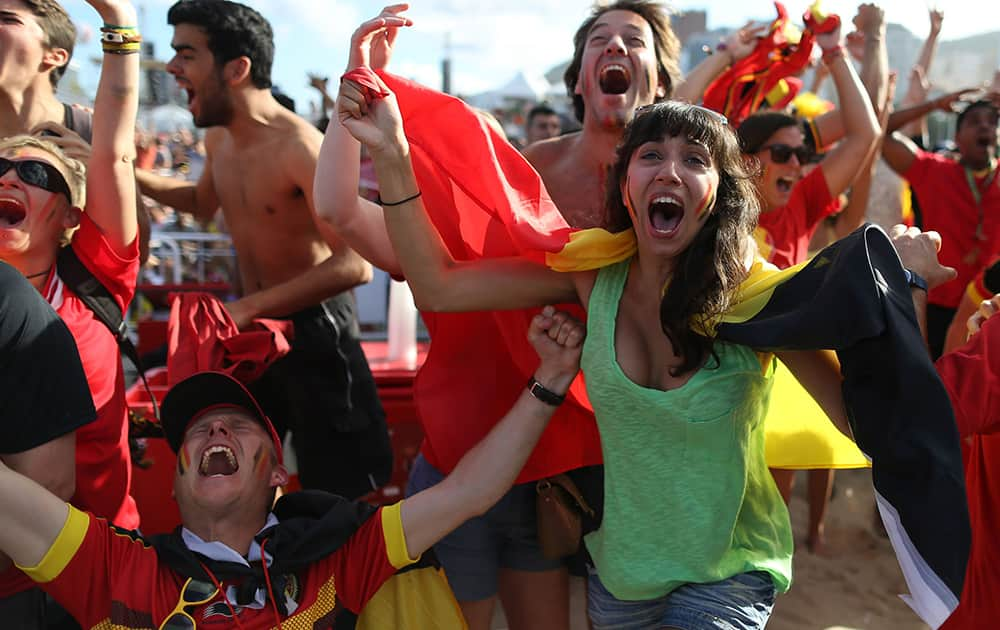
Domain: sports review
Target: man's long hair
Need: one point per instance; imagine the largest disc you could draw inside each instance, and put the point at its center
(666, 45)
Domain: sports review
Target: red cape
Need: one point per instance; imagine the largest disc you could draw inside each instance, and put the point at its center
(486, 201)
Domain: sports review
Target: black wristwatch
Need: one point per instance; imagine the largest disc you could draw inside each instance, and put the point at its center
(544, 394)
(915, 280)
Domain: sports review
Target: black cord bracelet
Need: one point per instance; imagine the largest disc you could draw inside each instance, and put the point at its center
(398, 203)
(544, 394)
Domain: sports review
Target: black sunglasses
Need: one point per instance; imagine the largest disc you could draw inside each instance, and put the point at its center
(781, 153)
(38, 174)
(193, 593)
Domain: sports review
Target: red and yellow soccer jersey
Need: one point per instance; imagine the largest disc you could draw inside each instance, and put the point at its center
(109, 579)
(971, 374)
(948, 207)
(783, 234)
(103, 464)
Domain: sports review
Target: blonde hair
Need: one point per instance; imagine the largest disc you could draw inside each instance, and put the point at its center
(75, 170)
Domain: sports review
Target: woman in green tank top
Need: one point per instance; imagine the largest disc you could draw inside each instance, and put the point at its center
(694, 529)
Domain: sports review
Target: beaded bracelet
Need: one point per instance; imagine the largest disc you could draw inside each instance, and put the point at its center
(120, 40)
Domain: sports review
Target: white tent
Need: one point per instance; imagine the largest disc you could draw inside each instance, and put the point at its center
(525, 88)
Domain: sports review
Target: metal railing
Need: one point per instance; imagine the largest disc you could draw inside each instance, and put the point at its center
(188, 254)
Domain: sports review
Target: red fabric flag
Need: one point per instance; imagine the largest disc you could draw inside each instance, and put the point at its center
(764, 76)
(486, 201)
(201, 336)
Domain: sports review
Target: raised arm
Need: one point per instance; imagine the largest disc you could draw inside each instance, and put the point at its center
(198, 199)
(919, 85)
(487, 471)
(867, 44)
(31, 519)
(860, 123)
(943, 103)
(110, 179)
(736, 46)
(439, 282)
(357, 221)
(853, 215)
(870, 20)
(51, 465)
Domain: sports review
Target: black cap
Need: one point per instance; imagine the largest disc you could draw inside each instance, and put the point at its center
(198, 394)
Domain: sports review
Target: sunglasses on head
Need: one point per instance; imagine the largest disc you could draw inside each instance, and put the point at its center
(38, 174)
(781, 153)
(194, 593)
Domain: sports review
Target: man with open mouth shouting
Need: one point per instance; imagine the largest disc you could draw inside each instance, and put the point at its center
(259, 170)
(311, 560)
(958, 198)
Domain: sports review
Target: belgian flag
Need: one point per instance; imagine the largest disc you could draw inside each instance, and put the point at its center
(853, 298)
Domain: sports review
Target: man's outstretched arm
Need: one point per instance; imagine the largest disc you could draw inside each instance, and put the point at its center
(487, 471)
(31, 519)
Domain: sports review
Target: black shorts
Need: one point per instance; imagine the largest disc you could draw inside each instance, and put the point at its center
(324, 393)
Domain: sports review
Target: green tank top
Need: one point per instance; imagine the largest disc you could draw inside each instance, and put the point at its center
(687, 493)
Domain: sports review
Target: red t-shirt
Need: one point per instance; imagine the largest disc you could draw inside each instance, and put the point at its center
(783, 234)
(107, 578)
(971, 374)
(949, 208)
(103, 464)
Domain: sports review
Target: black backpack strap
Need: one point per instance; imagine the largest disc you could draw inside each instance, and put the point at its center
(98, 299)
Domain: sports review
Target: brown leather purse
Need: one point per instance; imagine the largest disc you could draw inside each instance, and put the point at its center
(560, 508)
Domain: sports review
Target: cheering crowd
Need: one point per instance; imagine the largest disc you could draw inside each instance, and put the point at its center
(612, 313)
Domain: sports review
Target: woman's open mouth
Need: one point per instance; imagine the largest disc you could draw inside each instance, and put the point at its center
(665, 215)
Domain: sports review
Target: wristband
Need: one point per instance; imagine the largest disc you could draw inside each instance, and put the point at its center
(543, 394)
(831, 55)
(915, 280)
(120, 40)
(400, 202)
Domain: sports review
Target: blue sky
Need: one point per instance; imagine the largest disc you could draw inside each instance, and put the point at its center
(491, 39)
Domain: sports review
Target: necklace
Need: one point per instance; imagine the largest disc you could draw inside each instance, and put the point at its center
(40, 273)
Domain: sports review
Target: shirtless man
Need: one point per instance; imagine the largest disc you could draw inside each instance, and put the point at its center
(259, 169)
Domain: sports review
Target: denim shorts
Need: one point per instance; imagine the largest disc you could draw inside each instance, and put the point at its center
(506, 537)
(742, 602)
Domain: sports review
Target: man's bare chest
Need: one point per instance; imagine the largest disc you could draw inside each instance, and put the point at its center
(580, 199)
(256, 189)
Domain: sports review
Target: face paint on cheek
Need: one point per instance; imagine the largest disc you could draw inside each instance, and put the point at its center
(627, 198)
(707, 202)
(260, 463)
(183, 460)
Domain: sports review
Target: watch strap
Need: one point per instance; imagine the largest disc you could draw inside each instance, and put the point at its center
(544, 394)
